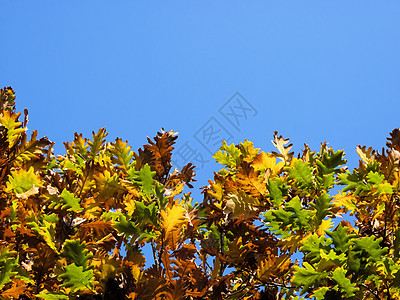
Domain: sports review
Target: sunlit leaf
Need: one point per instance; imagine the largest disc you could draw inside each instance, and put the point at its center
(228, 155)
(14, 128)
(21, 181)
(144, 178)
(307, 276)
(344, 283)
(172, 220)
(76, 278)
(280, 144)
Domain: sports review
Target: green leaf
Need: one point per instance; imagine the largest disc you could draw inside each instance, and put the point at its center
(371, 247)
(354, 181)
(120, 222)
(67, 201)
(159, 191)
(46, 228)
(330, 161)
(228, 155)
(144, 178)
(145, 214)
(146, 235)
(277, 189)
(340, 238)
(353, 261)
(122, 154)
(277, 221)
(326, 181)
(312, 246)
(302, 174)
(291, 217)
(126, 227)
(307, 276)
(300, 217)
(330, 260)
(74, 166)
(322, 205)
(98, 142)
(52, 295)
(396, 280)
(75, 251)
(377, 180)
(344, 283)
(8, 265)
(76, 278)
(319, 294)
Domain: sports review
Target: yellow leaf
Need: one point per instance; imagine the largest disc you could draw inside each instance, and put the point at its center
(217, 190)
(273, 267)
(22, 181)
(92, 210)
(396, 182)
(345, 200)
(266, 161)
(107, 185)
(136, 272)
(248, 151)
(107, 268)
(325, 225)
(10, 122)
(172, 220)
(130, 206)
(177, 190)
(251, 182)
(292, 243)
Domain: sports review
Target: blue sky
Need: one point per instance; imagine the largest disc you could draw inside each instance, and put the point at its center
(313, 71)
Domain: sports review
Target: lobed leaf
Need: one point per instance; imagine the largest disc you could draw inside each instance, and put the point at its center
(76, 278)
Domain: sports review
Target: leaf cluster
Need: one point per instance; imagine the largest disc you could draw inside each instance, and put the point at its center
(76, 225)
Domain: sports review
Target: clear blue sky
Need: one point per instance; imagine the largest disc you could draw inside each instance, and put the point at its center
(312, 70)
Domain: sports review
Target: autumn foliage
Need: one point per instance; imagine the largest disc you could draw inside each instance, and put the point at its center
(270, 225)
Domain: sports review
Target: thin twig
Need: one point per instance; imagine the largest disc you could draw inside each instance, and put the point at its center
(371, 291)
(154, 254)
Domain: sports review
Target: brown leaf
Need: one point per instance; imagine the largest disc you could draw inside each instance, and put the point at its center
(100, 228)
(394, 139)
(161, 150)
(250, 182)
(17, 289)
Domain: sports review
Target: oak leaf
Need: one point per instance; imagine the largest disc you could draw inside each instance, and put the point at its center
(264, 161)
(172, 220)
(280, 144)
